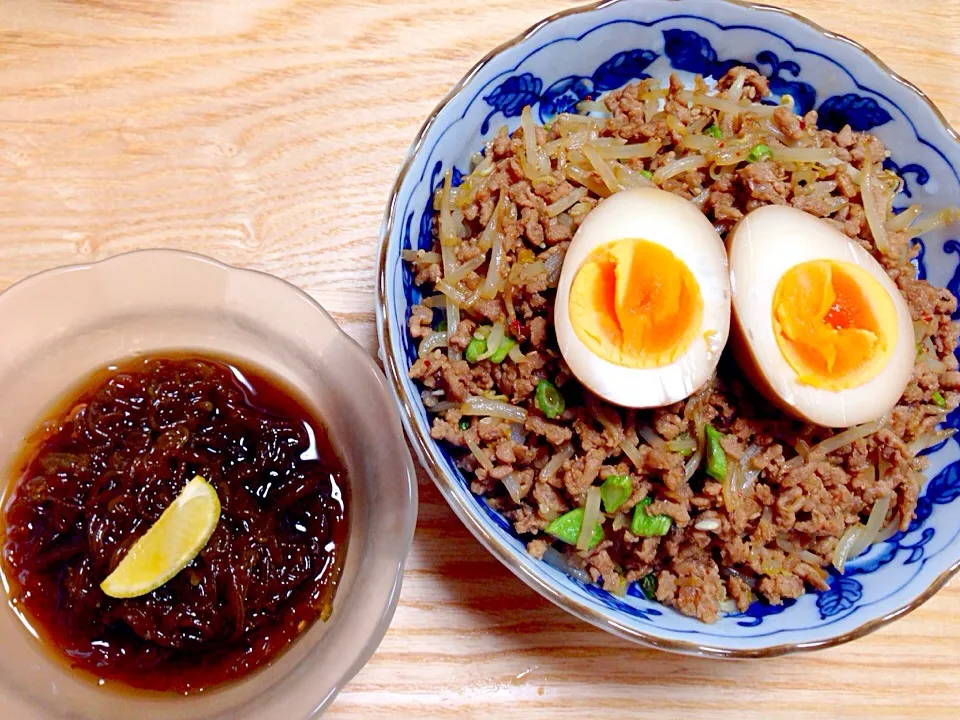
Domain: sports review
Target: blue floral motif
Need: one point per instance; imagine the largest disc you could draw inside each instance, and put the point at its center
(518, 91)
(916, 549)
(843, 594)
(511, 96)
(920, 172)
(803, 94)
(693, 53)
(874, 559)
(920, 514)
(759, 610)
(622, 68)
(407, 226)
(564, 95)
(934, 448)
(953, 246)
(859, 112)
(945, 487)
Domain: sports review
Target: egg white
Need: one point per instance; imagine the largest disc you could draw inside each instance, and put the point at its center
(665, 219)
(765, 245)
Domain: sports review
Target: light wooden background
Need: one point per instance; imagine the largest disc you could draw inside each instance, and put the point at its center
(267, 133)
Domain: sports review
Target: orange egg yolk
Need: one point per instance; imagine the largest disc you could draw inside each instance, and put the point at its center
(835, 325)
(634, 303)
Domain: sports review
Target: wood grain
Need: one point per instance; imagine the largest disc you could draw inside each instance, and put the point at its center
(267, 133)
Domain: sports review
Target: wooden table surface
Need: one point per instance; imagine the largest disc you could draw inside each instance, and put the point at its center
(267, 133)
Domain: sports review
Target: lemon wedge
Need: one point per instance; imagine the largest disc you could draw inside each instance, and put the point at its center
(169, 545)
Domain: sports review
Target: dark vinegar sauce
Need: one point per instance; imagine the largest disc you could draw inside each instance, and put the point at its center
(101, 471)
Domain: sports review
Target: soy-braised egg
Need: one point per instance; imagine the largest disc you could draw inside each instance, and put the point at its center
(643, 302)
(819, 326)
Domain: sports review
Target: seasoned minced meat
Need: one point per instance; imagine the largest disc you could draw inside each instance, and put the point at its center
(775, 539)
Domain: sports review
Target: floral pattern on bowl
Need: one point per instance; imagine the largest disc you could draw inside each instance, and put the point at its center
(589, 51)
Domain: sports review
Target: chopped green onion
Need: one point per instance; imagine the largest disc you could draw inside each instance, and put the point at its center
(683, 445)
(716, 455)
(567, 528)
(759, 152)
(442, 326)
(648, 586)
(647, 174)
(549, 399)
(476, 348)
(646, 525)
(939, 399)
(615, 491)
(713, 131)
(505, 346)
(464, 424)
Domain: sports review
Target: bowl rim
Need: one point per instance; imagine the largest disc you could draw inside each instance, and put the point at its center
(406, 468)
(396, 373)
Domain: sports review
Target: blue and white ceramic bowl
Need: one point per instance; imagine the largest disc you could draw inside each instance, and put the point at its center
(598, 48)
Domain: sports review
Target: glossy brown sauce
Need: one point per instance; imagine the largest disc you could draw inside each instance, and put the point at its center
(100, 472)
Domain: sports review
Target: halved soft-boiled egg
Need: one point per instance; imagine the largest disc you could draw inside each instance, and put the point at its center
(819, 326)
(643, 302)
